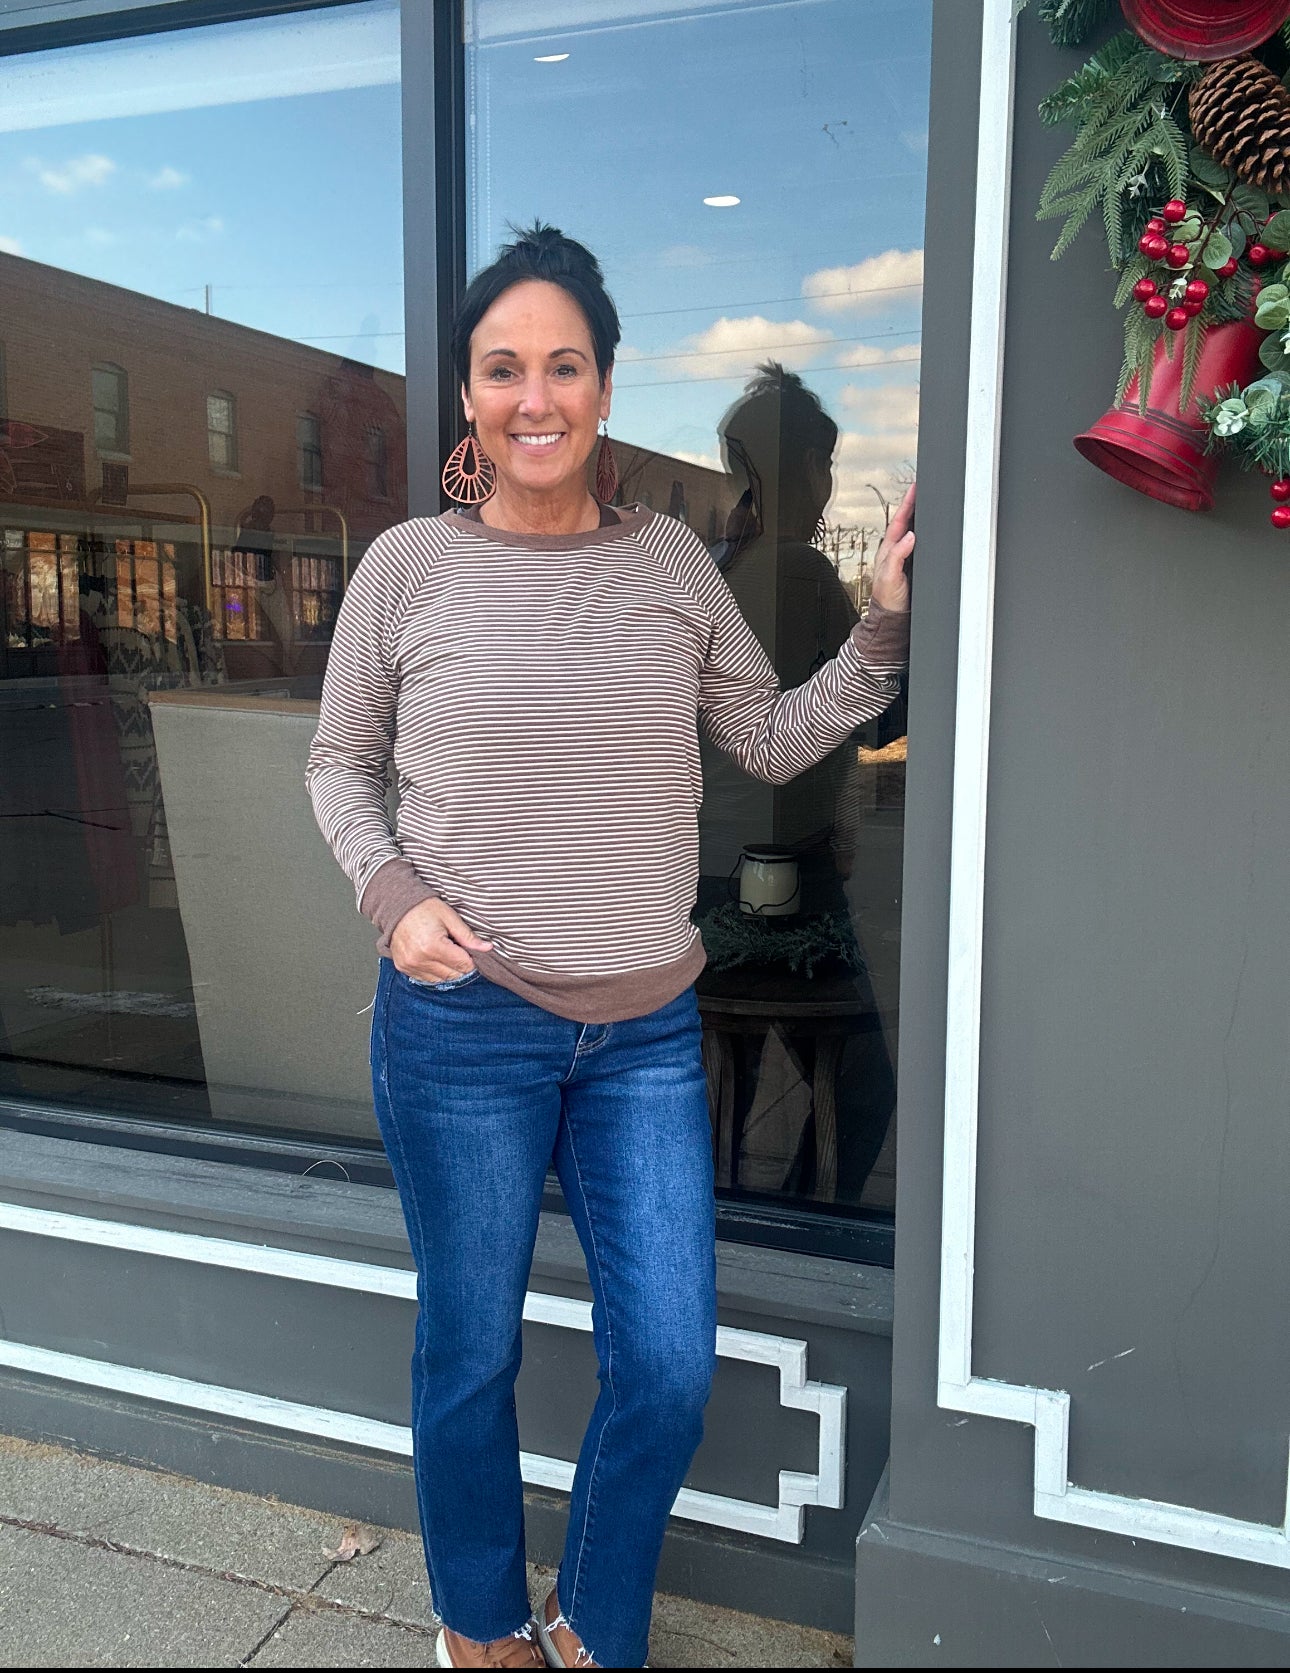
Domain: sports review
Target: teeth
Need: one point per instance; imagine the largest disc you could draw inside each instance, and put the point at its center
(539, 441)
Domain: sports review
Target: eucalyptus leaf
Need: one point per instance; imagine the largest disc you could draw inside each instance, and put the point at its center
(1218, 249)
(1208, 170)
(1272, 312)
(1251, 200)
(1236, 236)
(1187, 229)
(1272, 354)
(1261, 403)
(1276, 235)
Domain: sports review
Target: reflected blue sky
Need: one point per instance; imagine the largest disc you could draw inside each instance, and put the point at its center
(287, 206)
(812, 112)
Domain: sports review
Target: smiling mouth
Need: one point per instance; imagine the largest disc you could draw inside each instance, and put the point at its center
(548, 440)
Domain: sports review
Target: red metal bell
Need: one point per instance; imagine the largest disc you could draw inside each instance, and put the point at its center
(1163, 453)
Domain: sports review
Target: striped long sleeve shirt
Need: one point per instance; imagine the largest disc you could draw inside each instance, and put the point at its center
(539, 698)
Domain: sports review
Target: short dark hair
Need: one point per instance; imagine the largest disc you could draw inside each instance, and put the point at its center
(777, 402)
(540, 252)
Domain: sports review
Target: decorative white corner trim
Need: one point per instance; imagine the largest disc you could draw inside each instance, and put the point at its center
(783, 1521)
(1046, 1410)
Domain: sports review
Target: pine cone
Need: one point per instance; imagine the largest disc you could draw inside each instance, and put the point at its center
(1240, 113)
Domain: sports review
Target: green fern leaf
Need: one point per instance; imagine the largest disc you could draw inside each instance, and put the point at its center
(1193, 347)
(1134, 270)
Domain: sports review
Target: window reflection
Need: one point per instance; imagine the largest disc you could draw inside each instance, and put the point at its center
(757, 203)
(197, 365)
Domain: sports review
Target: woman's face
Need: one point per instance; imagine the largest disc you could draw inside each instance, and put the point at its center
(534, 395)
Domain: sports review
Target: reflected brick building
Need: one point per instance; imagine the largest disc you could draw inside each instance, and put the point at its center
(183, 458)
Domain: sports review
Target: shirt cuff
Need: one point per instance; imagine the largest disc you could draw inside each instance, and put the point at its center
(882, 637)
(392, 893)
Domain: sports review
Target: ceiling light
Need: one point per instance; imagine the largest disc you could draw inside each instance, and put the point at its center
(721, 202)
(552, 58)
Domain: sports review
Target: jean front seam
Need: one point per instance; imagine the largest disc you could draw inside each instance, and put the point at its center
(589, 1514)
(580, 1050)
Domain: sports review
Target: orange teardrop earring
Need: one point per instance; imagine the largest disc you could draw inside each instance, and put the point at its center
(606, 470)
(469, 476)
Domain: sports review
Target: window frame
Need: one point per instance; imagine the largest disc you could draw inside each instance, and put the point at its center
(229, 466)
(120, 447)
(376, 462)
(313, 451)
(433, 104)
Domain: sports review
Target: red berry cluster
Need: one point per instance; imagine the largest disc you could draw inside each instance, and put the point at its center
(1183, 303)
(1281, 511)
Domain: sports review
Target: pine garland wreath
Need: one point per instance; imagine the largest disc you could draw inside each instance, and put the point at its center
(1240, 113)
(1189, 165)
(1071, 22)
(1129, 149)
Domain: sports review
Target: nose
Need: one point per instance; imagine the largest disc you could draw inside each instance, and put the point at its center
(534, 399)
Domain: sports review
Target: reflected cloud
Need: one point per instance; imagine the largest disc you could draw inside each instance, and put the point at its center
(10, 246)
(869, 285)
(707, 461)
(168, 179)
(92, 169)
(197, 232)
(865, 354)
(99, 236)
(886, 406)
(728, 345)
(867, 462)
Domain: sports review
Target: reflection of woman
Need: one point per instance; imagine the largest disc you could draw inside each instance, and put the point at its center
(535, 666)
(778, 442)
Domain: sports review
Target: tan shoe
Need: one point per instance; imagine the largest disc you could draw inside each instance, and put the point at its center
(561, 1643)
(517, 1649)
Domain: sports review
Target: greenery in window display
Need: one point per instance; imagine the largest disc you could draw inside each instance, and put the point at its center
(732, 937)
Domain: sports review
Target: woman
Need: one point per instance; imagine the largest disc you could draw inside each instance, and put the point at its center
(535, 667)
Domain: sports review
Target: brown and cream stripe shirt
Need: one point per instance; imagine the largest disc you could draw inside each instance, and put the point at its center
(540, 697)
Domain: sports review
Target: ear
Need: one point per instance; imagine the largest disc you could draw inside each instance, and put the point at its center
(467, 406)
(607, 394)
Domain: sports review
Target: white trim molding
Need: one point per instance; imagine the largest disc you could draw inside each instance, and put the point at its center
(785, 1520)
(1046, 1410)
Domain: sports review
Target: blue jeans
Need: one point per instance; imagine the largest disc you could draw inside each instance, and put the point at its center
(477, 1092)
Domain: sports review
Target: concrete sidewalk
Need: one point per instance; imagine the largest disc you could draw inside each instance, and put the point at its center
(103, 1565)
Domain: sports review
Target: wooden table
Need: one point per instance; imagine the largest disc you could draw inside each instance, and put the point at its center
(830, 1008)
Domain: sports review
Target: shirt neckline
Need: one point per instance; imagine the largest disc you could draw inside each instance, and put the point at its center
(631, 519)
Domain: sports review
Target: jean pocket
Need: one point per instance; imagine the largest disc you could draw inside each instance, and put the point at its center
(446, 986)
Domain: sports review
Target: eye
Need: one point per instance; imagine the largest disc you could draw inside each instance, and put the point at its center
(499, 374)
(569, 370)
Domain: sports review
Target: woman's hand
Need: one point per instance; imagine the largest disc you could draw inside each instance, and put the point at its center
(433, 944)
(890, 583)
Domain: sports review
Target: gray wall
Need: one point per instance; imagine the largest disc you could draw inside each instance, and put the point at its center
(1134, 1150)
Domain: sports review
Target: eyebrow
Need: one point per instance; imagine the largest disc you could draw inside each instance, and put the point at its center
(555, 354)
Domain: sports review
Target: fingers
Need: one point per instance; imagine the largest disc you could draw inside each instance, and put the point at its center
(433, 943)
(460, 932)
(899, 525)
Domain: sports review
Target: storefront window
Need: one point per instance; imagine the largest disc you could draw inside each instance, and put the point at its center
(200, 240)
(756, 199)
